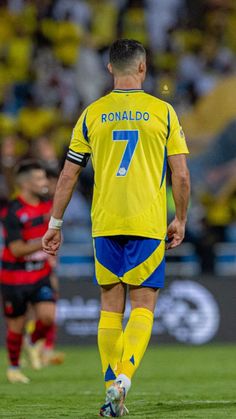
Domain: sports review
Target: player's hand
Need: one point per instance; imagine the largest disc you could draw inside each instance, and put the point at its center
(175, 233)
(51, 241)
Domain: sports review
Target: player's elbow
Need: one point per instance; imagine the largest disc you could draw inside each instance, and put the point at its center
(182, 177)
(67, 180)
(185, 177)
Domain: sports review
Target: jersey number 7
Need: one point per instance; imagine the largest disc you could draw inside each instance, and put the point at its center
(132, 137)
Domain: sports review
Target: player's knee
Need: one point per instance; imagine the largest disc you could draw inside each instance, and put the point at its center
(112, 304)
(47, 319)
(143, 298)
(113, 298)
(149, 306)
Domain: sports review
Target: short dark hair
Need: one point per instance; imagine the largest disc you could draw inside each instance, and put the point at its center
(124, 51)
(52, 173)
(26, 166)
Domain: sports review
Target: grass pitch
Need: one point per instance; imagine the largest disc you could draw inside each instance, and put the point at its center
(172, 382)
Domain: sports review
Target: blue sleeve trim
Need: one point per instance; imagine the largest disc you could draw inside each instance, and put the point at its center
(85, 129)
(168, 125)
(164, 167)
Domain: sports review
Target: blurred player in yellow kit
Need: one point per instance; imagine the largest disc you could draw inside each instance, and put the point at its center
(130, 136)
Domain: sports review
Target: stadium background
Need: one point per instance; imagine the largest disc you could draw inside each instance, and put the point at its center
(53, 57)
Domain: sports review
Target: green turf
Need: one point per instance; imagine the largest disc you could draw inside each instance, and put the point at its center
(172, 382)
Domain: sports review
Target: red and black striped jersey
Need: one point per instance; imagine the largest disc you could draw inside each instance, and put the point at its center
(26, 222)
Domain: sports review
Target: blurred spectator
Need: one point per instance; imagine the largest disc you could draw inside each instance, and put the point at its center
(77, 11)
(162, 15)
(34, 120)
(133, 22)
(43, 149)
(10, 152)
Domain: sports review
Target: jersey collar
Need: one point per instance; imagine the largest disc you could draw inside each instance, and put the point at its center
(127, 90)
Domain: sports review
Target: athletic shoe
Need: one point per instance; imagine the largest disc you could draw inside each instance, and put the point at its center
(51, 357)
(34, 353)
(14, 375)
(114, 404)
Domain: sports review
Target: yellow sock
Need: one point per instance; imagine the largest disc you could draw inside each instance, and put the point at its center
(136, 337)
(110, 344)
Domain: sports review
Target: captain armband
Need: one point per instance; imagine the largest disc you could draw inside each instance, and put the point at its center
(78, 158)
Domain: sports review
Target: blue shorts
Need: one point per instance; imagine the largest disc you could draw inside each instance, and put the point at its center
(133, 260)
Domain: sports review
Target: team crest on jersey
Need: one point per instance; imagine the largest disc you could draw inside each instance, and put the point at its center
(8, 307)
(122, 171)
(181, 133)
(24, 217)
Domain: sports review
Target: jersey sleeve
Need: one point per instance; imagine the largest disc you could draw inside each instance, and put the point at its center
(176, 143)
(79, 149)
(13, 227)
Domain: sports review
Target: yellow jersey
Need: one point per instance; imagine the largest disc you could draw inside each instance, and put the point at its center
(129, 135)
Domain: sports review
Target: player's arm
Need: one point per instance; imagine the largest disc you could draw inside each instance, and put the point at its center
(20, 248)
(181, 192)
(77, 157)
(180, 185)
(65, 187)
(176, 151)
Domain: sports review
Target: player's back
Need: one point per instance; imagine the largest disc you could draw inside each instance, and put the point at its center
(127, 133)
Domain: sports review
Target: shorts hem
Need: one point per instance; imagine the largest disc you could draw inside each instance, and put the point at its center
(143, 284)
(129, 233)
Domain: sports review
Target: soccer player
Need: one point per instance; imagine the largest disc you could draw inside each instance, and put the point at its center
(130, 136)
(25, 273)
(47, 353)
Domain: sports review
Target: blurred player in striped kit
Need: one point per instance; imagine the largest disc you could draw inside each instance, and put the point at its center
(26, 270)
(47, 354)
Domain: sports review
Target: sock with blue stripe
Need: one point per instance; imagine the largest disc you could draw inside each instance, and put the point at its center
(136, 338)
(110, 344)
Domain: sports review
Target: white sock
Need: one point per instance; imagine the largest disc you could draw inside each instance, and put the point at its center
(125, 380)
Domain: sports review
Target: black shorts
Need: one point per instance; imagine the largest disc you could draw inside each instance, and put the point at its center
(15, 298)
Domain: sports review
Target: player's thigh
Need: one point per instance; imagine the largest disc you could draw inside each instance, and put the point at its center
(43, 300)
(143, 297)
(55, 284)
(113, 297)
(14, 301)
(46, 312)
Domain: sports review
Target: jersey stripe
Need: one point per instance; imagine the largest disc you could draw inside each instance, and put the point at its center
(76, 154)
(23, 277)
(77, 158)
(168, 125)
(164, 167)
(85, 129)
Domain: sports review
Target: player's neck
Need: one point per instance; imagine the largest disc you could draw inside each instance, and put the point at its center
(29, 198)
(127, 82)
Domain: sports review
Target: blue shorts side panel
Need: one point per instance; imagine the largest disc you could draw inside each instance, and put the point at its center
(137, 251)
(157, 278)
(109, 253)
